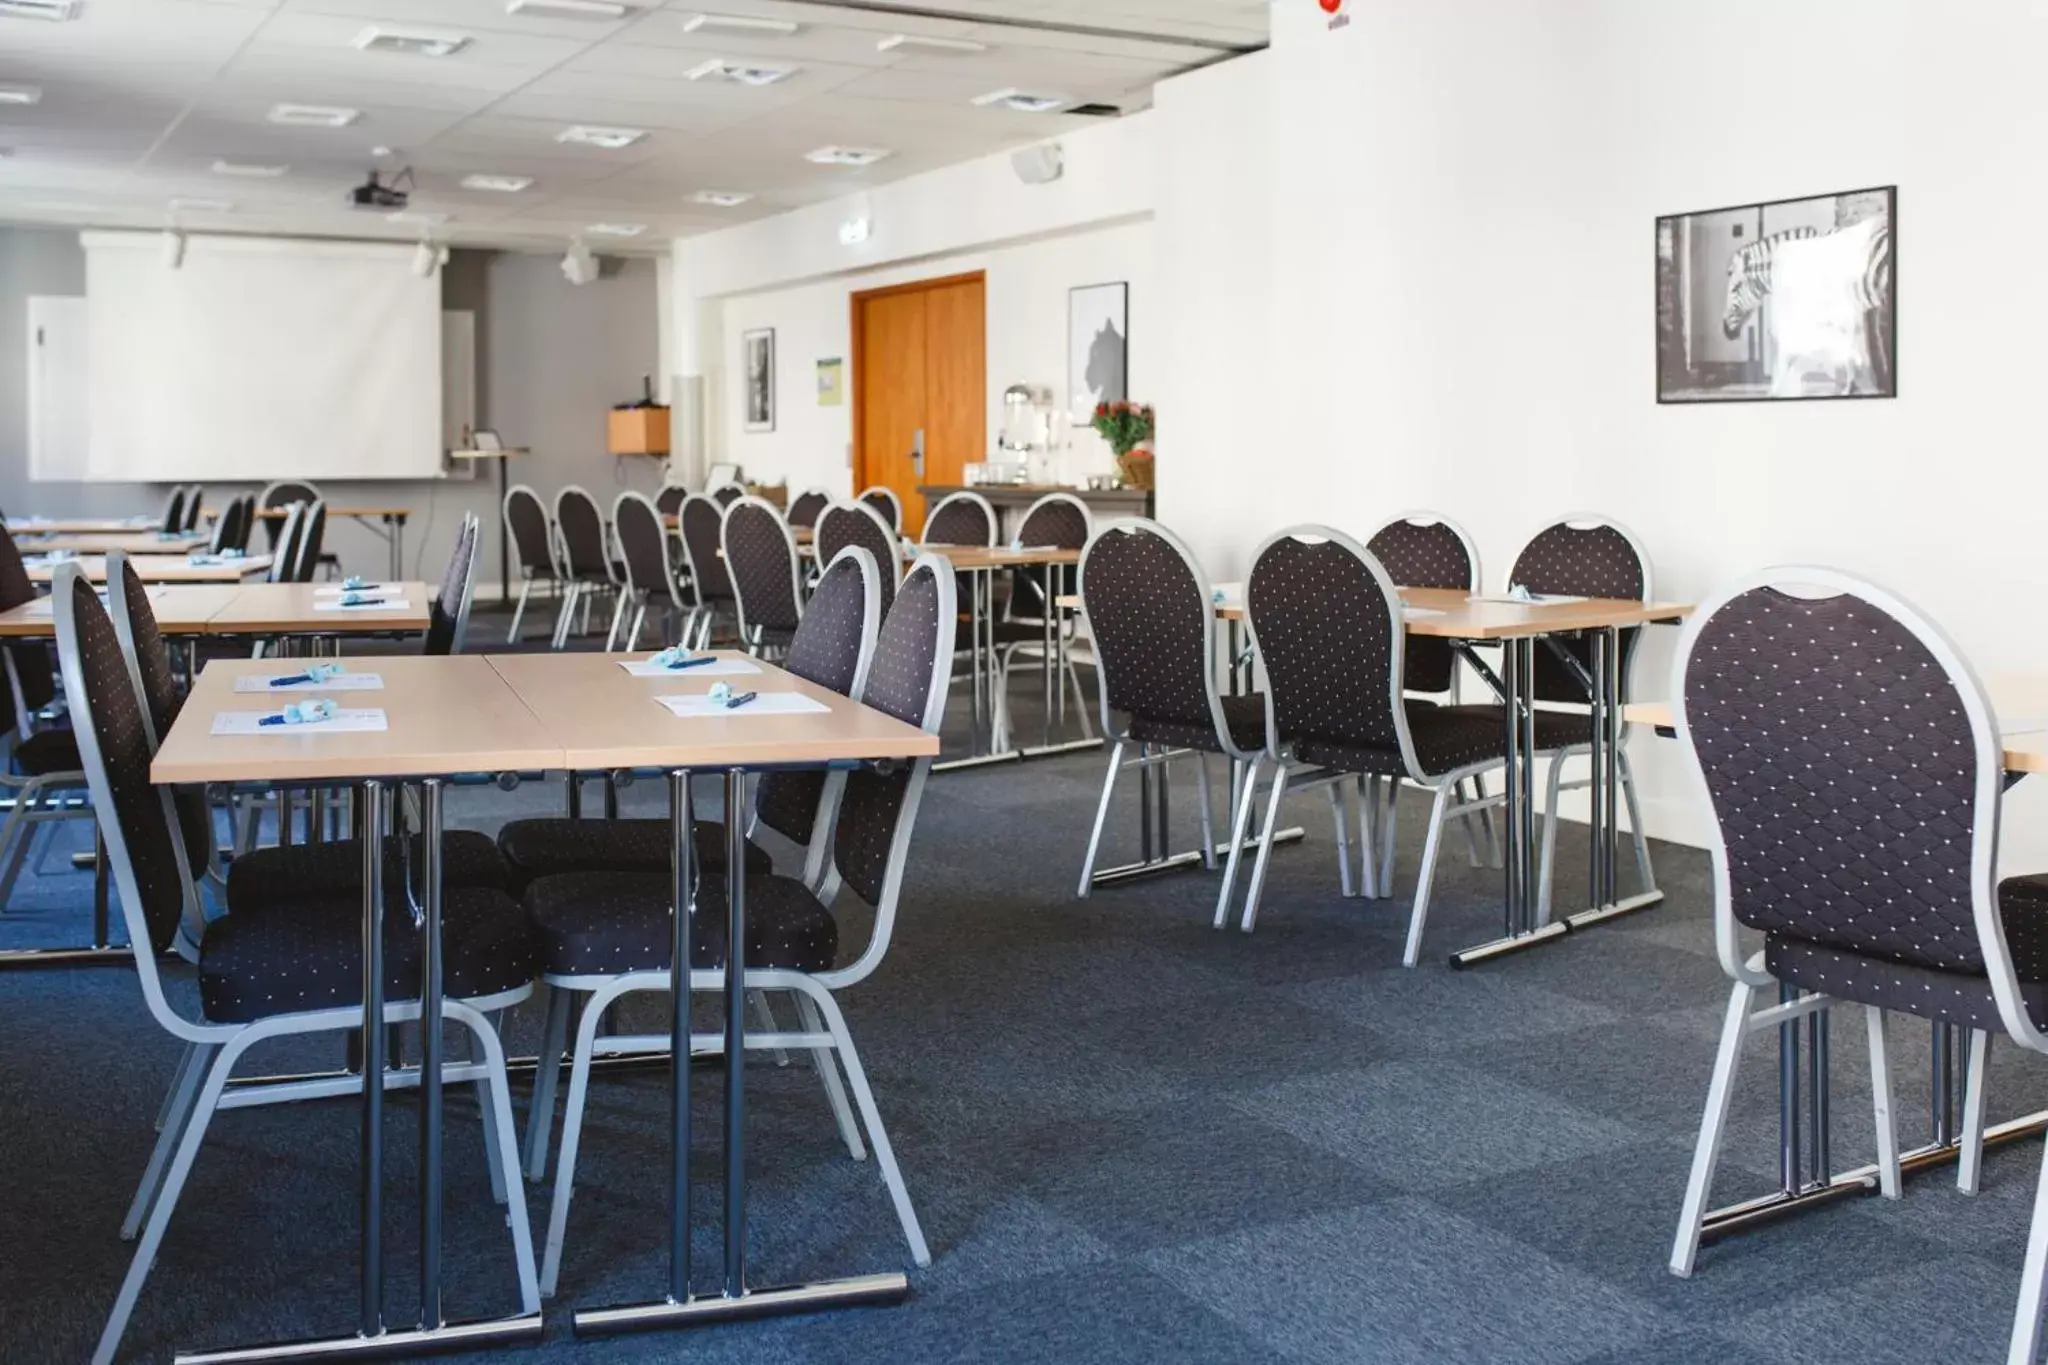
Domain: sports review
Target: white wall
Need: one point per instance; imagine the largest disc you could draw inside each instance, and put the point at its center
(1460, 250)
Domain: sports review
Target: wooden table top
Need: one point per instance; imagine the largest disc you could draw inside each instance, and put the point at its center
(604, 717)
(2019, 703)
(179, 610)
(293, 608)
(335, 509)
(967, 557)
(161, 569)
(446, 714)
(82, 526)
(1462, 616)
(130, 542)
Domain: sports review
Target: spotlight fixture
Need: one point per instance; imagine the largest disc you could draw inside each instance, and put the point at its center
(738, 23)
(578, 265)
(590, 135)
(739, 73)
(410, 42)
(1022, 101)
(846, 156)
(723, 199)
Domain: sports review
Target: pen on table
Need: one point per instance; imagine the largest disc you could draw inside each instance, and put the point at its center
(362, 602)
(680, 664)
(741, 700)
(291, 679)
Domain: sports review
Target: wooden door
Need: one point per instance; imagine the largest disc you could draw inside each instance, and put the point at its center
(919, 371)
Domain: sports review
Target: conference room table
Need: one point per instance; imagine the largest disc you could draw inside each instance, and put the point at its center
(82, 526)
(128, 542)
(1806, 1178)
(157, 569)
(471, 718)
(387, 523)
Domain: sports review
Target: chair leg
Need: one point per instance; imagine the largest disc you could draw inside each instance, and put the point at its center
(1392, 811)
(519, 611)
(1116, 763)
(1080, 700)
(1340, 812)
(611, 635)
(885, 1155)
(494, 1160)
(1265, 853)
(1548, 858)
(163, 1113)
(1635, 823)
(2026, 1320)
(1368, 865)
(540, 1117)
(572, 1134)
(1470, 821)
(1707, 1153)
(1970, 1159)
(765, 1022)
(1425, 875)
(565, 615)
(506, 1170)
(633, 631)
(18, 837)
(1208, 814)
(827, 1067)
(1240, 821)
(177, 1113)
(1881, 1105)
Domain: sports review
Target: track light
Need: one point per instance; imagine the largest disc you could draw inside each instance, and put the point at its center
(578, 265)
(174, 248)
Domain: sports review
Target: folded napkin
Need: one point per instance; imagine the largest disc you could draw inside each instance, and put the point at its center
(307, 712)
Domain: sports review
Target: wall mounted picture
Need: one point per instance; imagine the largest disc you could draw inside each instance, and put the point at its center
(1788, 299)
(1098, 346)
(757, 364)
(831, 383)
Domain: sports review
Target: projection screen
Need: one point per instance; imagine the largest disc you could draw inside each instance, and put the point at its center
(256, 359)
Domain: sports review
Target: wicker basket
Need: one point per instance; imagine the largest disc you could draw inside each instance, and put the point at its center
(1134, 467)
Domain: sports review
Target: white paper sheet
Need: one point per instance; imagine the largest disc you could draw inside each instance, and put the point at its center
(336, 590)
(346, 721)
(377, 604)
(699, 706)
(1534, 599)
(717, 668)
(340, 682)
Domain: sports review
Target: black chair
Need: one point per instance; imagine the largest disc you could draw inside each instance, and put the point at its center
(726, 494)
(1147, 604)
(448, 613)
(808, 506)
(963, 518)
(884, 500)
(668, 500)
(1854, 772)
(581, 540)
(283, 493)
(526, 523)
(1326, 623)
(174, 513)
(644, 549)
(1058, 521)
(761, 555)
(856, 523)
(701, 526)
(195, 499)
(291, 971)
(284, 544)
(306, 555)
(607, 934)
(42, 767)
(232, 527)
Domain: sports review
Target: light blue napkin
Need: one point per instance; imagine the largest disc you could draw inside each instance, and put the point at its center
(304, 712)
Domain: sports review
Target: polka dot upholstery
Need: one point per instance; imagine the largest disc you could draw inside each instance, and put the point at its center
(163, 701)
(1058, 519)
(446, 607)
(1425, 554)
(253, 966)
(290, 875)
(592, 923)
(643, 544)
(668, 500)
(1246, 717)
(844, 524)
(884, 501)
(703, 524)
(726, 494)
(582, 529)
(1841, 766)
(1445, 739)
(1582, 561)
(533, 849)
(763, 566)
(905, 669)
(527, 519)
(32, 666)
(804, 511)
(962, 519)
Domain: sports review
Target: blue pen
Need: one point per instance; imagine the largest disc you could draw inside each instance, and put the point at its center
(689, 663)
(278, 719)
(741, 700)
(363, 602)
(289, 681)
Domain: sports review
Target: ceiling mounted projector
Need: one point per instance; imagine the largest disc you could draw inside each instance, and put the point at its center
(578, 265)
(373, 194)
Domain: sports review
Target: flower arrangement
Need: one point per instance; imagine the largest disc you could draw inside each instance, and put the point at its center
(1124, 425)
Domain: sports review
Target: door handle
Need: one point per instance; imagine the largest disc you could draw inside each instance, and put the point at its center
(917, 452)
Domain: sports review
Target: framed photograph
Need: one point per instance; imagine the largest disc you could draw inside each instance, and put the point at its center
(1790, 299)
(1098, 346)
(757, 364)
(831, 383)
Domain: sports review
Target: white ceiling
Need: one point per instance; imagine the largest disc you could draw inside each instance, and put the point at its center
(141, 97)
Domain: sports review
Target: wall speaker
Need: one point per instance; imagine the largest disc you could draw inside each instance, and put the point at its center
(1038, 165)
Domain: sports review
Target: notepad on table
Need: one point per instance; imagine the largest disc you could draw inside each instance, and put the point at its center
(338, 682)
(714, 668)
(348, 720)
(699, 706)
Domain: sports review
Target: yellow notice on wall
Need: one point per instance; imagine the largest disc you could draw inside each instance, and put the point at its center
(831, 383)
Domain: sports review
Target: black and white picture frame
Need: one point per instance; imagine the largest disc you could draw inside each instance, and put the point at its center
(1794, 298)
(757, 374)
(1098, 346)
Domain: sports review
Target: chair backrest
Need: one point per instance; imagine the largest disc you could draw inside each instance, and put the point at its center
(726, 494)
(283, 493)
(1149, 614)
(149, 667)
(643, 545)
(448, 614)
(1424, 550)
(1853, 769)
(580, 525)
(1582, 556)
(1325, 621)
(526, 522)
(761, 555)
(668, 500)
(805, 507)
(284, 544)
(703, 529)
(312, 534)
(1059, 520)
(174, 512)
(908, 679)
(964, 518)
(229, 530)
(832, 647)
(245, 522)
(856, 523)
(884, 500)
(195, 503)
(33, 682)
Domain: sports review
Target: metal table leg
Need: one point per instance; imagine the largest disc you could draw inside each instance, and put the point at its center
(1518, 695)
(1606, 902)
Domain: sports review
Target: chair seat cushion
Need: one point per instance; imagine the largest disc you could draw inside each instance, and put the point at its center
(1446, 738)
(552, 847)
(1246, 717)
(300, 872)
(1951, 997)
(1554, 729)
(607, 922)
(48, 751)
(283, 959)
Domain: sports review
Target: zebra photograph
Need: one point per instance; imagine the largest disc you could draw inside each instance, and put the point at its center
(1788, 299)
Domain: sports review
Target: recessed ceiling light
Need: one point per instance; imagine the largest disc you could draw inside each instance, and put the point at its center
(1022, 101)
(723, 199)
(499, 184)
(417, 218)
(616, 229)
(410, 41)
(738, 23)
(592, 136)
(314, 115)
(249, 170)
(182, 205)
(39, 9)
(741, 73)
(846, 156)
(21, 94)
(896, 40)
(572, 9)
